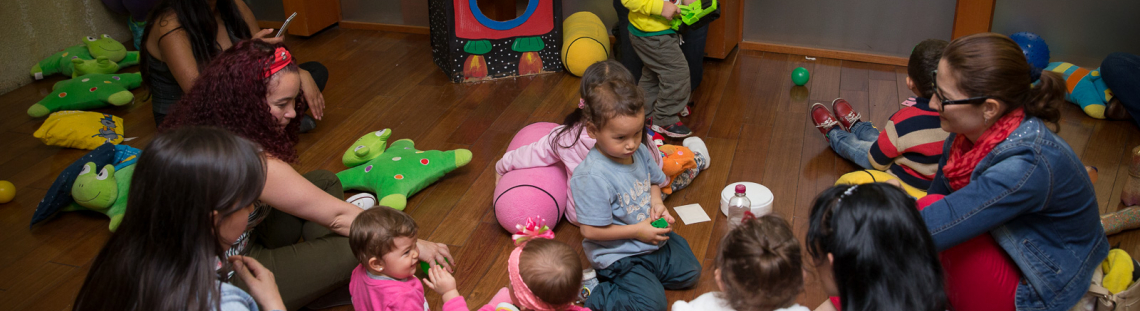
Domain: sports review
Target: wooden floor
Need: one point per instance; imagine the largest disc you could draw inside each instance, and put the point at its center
(748, 112)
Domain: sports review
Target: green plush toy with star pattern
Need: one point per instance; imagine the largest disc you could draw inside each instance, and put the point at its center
(93, 48)
(398, 171)
(87, 92)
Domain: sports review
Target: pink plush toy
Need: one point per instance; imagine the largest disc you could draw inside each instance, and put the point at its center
(530, 192)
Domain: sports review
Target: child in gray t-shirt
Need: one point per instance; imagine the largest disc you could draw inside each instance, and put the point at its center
(617, 193)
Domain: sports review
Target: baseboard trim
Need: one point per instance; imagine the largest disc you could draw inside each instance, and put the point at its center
(385, 27)
(825, 53)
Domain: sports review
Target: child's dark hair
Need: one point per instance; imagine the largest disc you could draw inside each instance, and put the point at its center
(374, 232)
(551, 270)
(164, 255)
(884, 257)
(608, 90)
(924, 61)
(760, 265)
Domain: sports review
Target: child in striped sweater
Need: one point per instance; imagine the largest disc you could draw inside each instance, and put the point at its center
(910, 144)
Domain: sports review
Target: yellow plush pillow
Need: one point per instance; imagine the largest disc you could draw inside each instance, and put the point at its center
(80, 129)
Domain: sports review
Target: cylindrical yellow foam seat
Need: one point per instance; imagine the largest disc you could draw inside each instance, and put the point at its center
(584, 42)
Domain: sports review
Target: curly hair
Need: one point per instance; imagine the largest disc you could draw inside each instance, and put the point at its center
(760, 265)
(231, 93)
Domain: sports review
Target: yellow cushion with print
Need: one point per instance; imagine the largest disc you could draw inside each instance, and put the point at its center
(873, 176)
(80, 129)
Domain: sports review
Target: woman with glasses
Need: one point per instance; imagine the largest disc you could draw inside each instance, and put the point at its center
(1011, 207)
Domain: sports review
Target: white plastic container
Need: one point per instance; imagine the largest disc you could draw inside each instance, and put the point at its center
(760, 196)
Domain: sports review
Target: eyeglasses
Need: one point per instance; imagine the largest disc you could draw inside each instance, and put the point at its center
(946, 102)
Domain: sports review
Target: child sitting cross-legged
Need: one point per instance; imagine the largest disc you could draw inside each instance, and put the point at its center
(617, 192)
(758, 268)
(384, 241)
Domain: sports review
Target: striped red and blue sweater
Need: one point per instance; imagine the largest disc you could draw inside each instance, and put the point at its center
(910, 144)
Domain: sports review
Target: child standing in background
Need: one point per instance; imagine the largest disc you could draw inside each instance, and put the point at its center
(665, 76)
(617, 195)
(910, 144)
(758, 268)
(384, 241)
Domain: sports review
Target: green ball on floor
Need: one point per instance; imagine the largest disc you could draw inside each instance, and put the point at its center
(800, 76)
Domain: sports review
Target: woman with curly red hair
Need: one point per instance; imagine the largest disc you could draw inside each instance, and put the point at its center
(253, 90)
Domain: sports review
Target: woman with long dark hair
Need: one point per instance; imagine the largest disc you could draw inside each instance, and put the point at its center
(870, 249)
(1011, 207)
(253, 90)
(166, 253)
(183, 36)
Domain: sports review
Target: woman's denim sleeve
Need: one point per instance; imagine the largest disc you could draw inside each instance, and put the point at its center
(1017, 183)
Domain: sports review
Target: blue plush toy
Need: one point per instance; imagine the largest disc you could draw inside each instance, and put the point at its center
(1086, 88)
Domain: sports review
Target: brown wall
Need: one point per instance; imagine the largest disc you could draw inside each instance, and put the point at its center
(31, 30)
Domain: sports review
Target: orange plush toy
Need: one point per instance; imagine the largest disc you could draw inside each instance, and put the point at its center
(675, 160)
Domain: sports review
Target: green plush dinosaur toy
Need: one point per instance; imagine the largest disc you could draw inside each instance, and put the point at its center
(103, 191)
(92, 48)
(397, 172)
(88, 92)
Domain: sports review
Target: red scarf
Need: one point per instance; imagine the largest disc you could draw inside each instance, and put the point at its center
(965, 155)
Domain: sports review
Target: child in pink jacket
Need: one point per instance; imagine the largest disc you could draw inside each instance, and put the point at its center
(384, 241)
(568, 144)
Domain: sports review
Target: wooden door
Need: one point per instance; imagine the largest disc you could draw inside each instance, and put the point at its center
(725, 33)
(312, 15)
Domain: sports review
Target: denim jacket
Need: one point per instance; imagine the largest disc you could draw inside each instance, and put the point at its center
(235, 299)
(1033, 195)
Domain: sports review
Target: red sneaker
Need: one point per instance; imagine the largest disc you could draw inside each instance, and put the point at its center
(843, 111)
(822, 119)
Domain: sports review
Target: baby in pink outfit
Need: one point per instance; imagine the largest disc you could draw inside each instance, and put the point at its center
(384, 241)
(545, 275)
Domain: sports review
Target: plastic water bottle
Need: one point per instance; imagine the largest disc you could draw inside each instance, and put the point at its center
(737, 205)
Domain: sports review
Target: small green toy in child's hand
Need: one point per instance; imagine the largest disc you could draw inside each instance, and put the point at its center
(660, 223)
(424, 265)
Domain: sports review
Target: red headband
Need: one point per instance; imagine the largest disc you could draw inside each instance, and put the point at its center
(281, 59)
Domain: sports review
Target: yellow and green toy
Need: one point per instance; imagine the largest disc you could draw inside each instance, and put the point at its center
(92, 49)
(102, 190)
(693, 15)
(87, 92)
(398, 171)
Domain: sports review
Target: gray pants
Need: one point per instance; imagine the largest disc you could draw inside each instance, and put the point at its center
(665, 77)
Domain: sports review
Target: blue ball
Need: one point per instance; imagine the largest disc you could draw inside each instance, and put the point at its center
(1034, 47)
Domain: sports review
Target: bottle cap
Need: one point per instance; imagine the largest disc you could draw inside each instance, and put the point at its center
(740, 189)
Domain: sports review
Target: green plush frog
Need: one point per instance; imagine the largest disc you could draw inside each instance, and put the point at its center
(398, 171)
(102, 190)
(91, 49)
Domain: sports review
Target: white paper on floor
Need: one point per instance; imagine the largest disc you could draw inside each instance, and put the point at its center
(692, 213)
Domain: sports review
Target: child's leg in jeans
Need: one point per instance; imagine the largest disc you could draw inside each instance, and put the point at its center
(850, 147)
(865, 131)
(674, 263)
(627, 285)
(662, 55)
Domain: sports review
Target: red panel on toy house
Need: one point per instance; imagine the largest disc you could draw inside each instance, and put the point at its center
(535, 22)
